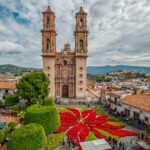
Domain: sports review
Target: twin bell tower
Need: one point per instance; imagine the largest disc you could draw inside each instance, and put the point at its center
(66, 70)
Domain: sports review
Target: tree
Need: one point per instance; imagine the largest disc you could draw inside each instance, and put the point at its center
(2, 136)
(28, 137)
(46, 116)
(48, 102)
(11, 100)
(33, 87)
(100, 78)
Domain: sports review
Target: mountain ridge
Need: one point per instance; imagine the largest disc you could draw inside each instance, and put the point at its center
(96, 70)
(92, 70)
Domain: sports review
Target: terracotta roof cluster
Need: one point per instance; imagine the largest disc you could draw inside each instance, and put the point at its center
(9, 85)
(138, 101)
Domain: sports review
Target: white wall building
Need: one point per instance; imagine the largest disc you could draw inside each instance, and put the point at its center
(137, 107)
(7, 88)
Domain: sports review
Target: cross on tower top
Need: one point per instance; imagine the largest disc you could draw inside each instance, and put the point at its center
(82, 3)
(49, 2)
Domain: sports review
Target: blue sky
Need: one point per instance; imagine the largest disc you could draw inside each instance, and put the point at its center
(119, 30)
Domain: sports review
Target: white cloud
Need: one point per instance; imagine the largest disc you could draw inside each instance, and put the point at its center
(119, 30)
(8, 46)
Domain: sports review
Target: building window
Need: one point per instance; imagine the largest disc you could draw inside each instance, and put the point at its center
(48, 44)
(48, 23)
(81, 22)
(81, 68)
(80, 75)
(6, 91)
(81, 82)
(146, 119)
(65, 62)
(49, 75)
(81, 89)
(81, 45)
(48, 67)
(127, 112)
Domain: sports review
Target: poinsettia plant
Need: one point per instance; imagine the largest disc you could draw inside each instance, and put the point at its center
(78, 125)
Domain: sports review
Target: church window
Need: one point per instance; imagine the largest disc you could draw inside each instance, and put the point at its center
(65, 62)
(81, 68)
(81, 75)
(81, 82)
(81, 89)
(48, 44)
(81, 44)
(81, 22)
(48, 23)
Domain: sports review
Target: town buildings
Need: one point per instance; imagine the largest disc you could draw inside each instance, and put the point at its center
(66, 70)
(7, 88)
(137, 107)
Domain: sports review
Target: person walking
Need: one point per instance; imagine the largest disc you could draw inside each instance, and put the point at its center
(123, 146)
(63, 143)
(74, 143)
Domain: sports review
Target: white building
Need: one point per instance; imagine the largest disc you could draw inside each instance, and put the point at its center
(7, 88)
(137, 107)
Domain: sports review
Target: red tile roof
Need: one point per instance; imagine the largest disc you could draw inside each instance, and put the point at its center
(138, 101)
(10, 85)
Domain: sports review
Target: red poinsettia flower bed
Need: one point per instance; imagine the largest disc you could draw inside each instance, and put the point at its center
(77, 125)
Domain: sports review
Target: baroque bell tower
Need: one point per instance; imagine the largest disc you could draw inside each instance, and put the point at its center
(81, 51)
(49, 47)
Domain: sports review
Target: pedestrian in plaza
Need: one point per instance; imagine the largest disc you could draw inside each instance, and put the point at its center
(63, 142)
(113, 147)
(69, 141)
(74, 143)
(119, 145)
(123, 146)
(109, 140)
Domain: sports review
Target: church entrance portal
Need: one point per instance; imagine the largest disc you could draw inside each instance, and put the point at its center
(65, 92)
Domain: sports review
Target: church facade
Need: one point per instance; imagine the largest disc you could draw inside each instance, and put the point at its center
(66, 70)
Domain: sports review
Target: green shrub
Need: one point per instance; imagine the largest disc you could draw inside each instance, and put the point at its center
(62, 109)
(91, 137)
(113, 117)
(15, 109)
(84, 108)
(2, 136)
(107, 134)
(55, 141)
(46, 116)
(6, 130)
(117, 123)
(21, 114)
(29, 137)
(98, 111)
(1, 103)
(48, 102)
(12, 124)
(11, 100)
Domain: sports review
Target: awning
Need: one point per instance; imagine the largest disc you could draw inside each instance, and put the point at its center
(143, 145)
(95, 145)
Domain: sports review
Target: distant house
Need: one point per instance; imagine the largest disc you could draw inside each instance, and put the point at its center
(116, 96)
(137, 107)
(7, 88)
